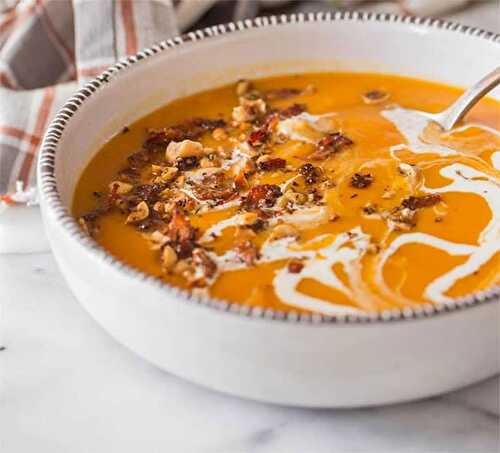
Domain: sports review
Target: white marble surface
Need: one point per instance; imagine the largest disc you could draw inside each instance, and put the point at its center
(66, 386)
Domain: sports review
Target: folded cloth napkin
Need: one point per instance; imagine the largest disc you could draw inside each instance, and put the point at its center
(49, 47)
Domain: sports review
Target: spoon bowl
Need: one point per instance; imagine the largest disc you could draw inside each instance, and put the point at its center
(456, 111)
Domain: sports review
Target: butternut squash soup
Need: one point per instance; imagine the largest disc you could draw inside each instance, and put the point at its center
(312, 192)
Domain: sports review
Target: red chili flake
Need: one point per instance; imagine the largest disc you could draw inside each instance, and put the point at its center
(404, 218)
(271, 120)
(361, 180)
(295, 266)
(203, 261)
(258, 137)
(330, 144)
(423, 201)
(293, 110)
(181, 234)
(262, 195)
(180, 228)
(188, 130)
(112, 196)
(247, 252)
(272, 164)
(183, 249)
(310, 173)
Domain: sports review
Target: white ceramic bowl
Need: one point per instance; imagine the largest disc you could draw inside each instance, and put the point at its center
(269, 356)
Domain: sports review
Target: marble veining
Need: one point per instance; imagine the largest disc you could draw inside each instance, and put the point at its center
(67, 386)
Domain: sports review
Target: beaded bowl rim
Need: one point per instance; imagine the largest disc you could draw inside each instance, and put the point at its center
(49, 191)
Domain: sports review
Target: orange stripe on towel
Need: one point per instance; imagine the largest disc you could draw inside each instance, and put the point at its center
(19, 134)
(41, 121)
(93, 71)
(129, 27)
(14, 18)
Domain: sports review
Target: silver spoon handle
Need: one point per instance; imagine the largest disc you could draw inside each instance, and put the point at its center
(449, 117)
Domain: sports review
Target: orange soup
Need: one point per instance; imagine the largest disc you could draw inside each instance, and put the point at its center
(312, 192)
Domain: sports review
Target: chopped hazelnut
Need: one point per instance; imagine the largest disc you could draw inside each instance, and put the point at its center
(140, 212)
(205, 162)
(182, 268)
(293, 197)
(243, 87)
(167, 174)
(156, 169)
(224, 153)
(241, 169)
(120, 188)
(412, 172)
(85, 226)
(388, 193)
(402, 219)
(248, 218)
(219, 134)
(249, 110)
(283, 230)
(157, 240)
(240, 114)
(186, 148)
(168, 258)
(406, 169)
(247, 149)
(164, 209)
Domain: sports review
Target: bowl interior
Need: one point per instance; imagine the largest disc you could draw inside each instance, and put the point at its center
(426, 51)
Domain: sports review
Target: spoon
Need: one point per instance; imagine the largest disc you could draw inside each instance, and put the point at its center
(456, 111)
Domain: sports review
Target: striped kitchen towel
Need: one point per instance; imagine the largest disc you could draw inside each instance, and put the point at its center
(48, 48)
